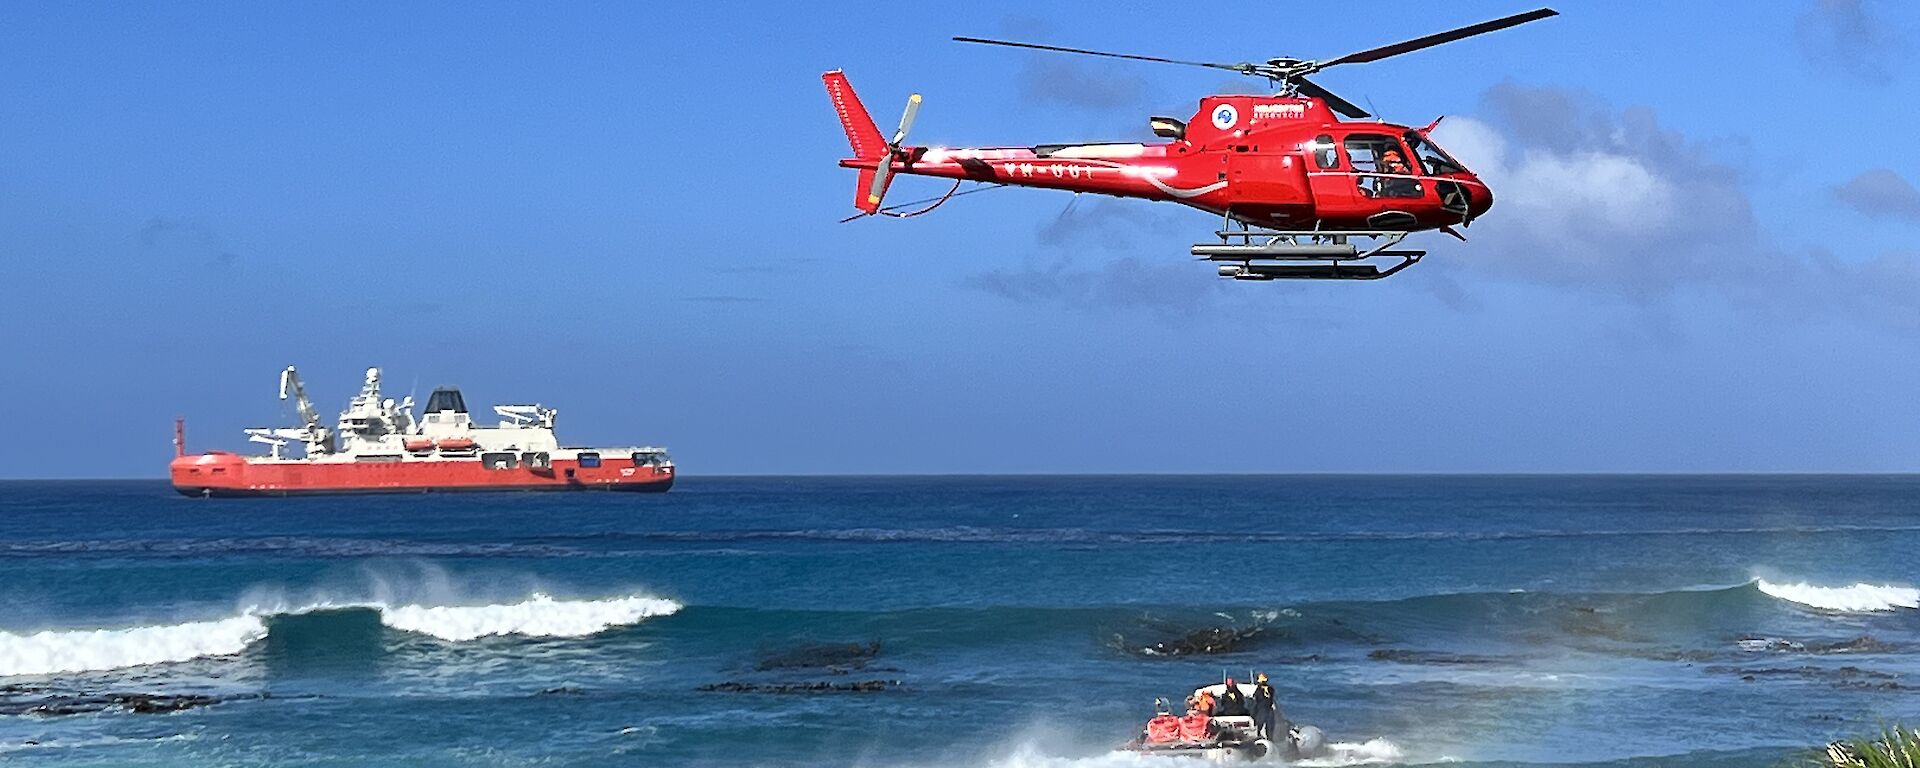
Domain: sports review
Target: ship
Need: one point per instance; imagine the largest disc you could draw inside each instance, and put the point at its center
(378, 446)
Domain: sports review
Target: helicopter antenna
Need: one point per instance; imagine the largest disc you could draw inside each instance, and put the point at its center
(1291, 74)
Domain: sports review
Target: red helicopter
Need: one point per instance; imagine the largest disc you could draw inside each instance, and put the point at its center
(1299, 191)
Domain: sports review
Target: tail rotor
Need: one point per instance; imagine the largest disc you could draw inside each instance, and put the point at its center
(883, 173)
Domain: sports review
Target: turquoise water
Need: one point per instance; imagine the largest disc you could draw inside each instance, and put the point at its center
(1671, 621)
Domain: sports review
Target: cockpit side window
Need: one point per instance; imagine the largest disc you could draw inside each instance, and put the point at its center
(1326, 153)
(1434, 159)
(1381, 166)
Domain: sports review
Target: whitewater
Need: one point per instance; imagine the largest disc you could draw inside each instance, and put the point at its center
(1860, 597)
(540, 615)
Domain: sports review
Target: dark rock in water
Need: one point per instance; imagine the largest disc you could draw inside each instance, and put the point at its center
(1200, 642)
(46, 704)
(1838, 677)
(1861, 644)
(1685, 656)
(1406, 656)
(863, 686)
(838, 656)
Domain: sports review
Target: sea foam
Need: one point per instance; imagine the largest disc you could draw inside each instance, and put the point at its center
(538, 616)
(81, 650)
(1369, 752)
(86, 650)
(1859, 598)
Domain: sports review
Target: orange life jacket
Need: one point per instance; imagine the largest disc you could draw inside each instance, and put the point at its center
(1193, 727)
(1163, 728)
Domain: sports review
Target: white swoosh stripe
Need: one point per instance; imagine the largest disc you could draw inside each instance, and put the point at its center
(1184, 193)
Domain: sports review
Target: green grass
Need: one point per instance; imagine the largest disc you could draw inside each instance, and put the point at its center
(1895, 748)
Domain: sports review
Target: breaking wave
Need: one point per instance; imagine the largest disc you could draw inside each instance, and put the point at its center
(89, 650)
(86, 650)
(1858, 598)
(538, 616)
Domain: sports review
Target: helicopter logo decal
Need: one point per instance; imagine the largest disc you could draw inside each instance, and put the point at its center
(1225, 117)
(1280, 111)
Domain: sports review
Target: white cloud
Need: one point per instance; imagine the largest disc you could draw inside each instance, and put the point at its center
(1610, 202)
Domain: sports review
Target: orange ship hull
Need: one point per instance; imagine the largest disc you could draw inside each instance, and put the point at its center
(226, 474)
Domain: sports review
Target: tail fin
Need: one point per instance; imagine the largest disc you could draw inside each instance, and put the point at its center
(865, 197)
(862, 134)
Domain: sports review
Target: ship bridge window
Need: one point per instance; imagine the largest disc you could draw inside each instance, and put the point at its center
(498, 460)
(589, 460)
(646, 459)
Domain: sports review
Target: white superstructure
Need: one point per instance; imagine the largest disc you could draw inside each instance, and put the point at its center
(375, 428)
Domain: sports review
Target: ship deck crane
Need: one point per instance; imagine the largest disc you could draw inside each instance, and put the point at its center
(316, 435)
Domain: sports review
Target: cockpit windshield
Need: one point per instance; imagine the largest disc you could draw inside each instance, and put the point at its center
(1435, 160)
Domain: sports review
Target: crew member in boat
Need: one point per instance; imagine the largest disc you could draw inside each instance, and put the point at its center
(1268, 721)
(1232, 703)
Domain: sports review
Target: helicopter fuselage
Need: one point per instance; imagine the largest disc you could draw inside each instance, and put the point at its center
(1275, 162)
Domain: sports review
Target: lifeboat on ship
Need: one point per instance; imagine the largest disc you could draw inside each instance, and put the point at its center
(418, 444)
(457, 444)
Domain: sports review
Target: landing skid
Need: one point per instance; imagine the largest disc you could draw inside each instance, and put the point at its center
(1246, 254)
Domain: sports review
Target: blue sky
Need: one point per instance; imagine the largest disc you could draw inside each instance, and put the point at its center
(628, 211)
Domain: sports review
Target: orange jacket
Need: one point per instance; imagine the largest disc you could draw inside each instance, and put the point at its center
(1193, 727)
(1162, 729)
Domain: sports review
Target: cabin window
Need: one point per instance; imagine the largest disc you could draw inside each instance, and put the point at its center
(536, 460)
(589, 461)
(1380, 165)
(1432, 158)
(1326, 154)
(497, 460)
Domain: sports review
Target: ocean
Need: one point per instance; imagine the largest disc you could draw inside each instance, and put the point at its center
(938, 622)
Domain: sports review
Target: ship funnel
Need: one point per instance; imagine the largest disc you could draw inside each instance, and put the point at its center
(445, 399)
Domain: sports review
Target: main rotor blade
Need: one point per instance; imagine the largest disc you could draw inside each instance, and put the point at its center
(1333, 101)
(1245, 69)
(1376, 54)
(906, 120)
